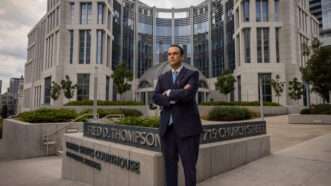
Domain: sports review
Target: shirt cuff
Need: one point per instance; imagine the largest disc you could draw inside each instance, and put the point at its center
(168, 92)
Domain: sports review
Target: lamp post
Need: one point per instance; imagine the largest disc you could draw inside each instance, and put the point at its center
(95, 91)
(261, 99)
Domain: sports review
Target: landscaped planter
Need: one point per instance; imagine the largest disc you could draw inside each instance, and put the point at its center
(309, 119)
(107, 154)
(27, 140)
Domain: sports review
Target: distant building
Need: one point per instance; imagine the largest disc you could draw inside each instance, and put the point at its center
(321, 9)
(10, 98)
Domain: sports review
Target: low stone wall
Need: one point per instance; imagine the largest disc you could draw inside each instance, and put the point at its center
(268, 110)
(309, 119)
(25, 140)
(101, 163)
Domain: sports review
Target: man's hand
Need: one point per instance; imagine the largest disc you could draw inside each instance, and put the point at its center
(187, 87)
(166, 93)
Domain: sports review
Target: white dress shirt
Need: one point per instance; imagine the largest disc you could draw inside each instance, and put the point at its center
(174, 70)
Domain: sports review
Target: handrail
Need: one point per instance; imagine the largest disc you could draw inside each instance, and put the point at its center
(74, 120)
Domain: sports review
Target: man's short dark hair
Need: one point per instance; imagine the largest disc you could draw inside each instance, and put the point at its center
(181, 50)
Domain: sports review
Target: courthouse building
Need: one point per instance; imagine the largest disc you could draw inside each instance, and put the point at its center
(87, 38)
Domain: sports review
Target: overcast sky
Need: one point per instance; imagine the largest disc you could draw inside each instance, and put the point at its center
(17, 17)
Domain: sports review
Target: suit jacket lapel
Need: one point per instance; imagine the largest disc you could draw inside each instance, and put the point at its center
(180, 75)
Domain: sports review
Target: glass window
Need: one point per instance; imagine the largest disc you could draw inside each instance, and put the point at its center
(116, 45)
(263, 49)
(245, 8)
(266, 50)
(72, 11)
(266, 86)
(145, 28)
(84, 46)
(247, 42)
(83, 86)
(100, 40)
(101, 13)
(262, 10)
(47, 93)
(163, 31)
(276, 13)
(201, 28)
(108, 51)
(238, 49)
(183, 30)
(85, 13)
(277, 46)
(71, 48)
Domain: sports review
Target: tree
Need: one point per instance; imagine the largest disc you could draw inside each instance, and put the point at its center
(278, 86)
(225, 83)
(4, 111)
(121, 76)
(68, 88)
(317, 70)
(55, 90)
(295, 89)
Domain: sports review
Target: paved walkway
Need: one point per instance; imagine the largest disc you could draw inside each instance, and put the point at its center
(301, 156)
(34, 172)
(306, 164)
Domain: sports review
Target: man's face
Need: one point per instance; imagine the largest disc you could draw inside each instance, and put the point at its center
(174, 56)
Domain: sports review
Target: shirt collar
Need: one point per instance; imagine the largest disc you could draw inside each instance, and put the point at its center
(178, 69)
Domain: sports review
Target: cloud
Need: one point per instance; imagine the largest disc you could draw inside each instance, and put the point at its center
(17, 17)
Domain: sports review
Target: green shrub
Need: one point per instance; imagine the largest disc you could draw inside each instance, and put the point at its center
(317, 109)
(102, 102)
(242, 103)
(229, 114)
(305, 111)
(48, 115)
(152, 122)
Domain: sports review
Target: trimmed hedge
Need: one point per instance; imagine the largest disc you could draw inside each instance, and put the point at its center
(229, 114)
(238, 103)
(152, 122)
(48, 115)
(317, 109)
(102, 102)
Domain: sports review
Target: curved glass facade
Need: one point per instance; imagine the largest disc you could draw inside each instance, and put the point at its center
(201, 39)
(128, 34)
(143, 34)
(144, 40)
(183, 30)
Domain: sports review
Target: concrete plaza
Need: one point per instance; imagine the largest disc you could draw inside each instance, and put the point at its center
(301, 155)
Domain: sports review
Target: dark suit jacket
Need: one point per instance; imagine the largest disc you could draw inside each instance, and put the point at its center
(185, 111)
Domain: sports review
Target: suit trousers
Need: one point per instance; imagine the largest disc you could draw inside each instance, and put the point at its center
(187, 149)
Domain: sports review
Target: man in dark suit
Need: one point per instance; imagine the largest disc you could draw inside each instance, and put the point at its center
(180, 124)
